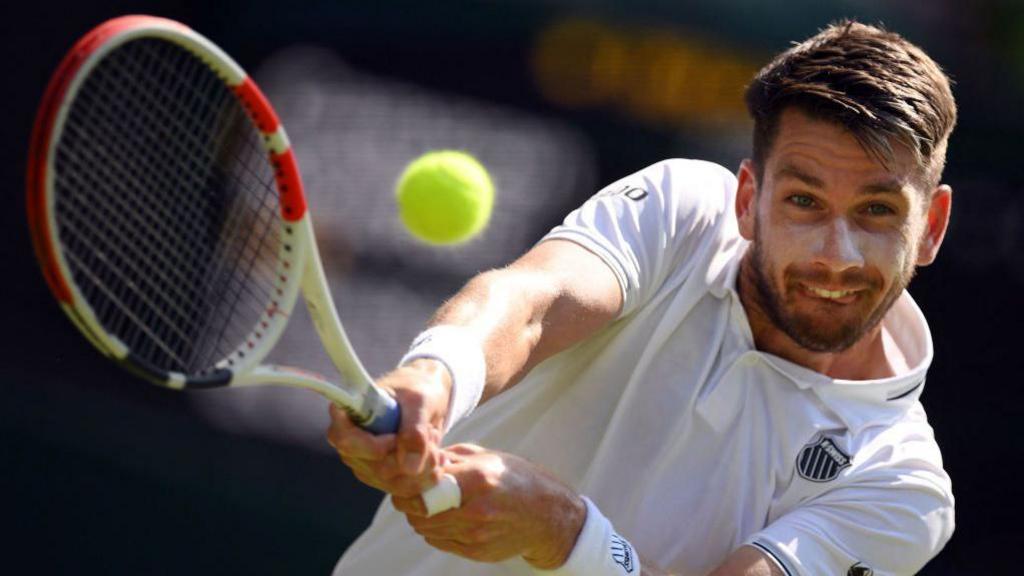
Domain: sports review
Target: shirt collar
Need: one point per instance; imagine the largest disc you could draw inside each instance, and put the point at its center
(858, 403)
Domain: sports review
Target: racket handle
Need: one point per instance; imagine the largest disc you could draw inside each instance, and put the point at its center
(385, 418)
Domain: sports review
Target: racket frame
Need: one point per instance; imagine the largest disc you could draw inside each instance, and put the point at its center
(299, 265)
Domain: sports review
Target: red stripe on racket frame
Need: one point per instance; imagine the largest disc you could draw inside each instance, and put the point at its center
(286, 171)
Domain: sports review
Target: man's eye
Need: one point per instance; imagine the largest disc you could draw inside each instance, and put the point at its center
(801, 200)
(879, 210)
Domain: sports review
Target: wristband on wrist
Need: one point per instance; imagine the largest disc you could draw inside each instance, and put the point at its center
(461, 353)
(599, 550)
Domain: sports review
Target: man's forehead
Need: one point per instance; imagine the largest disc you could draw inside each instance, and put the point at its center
(814, 150)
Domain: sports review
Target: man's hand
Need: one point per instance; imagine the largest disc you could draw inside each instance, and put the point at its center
(510, 507)
(408, 463)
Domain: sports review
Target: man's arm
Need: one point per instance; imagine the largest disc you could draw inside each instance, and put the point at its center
(892, 516)
(554, 296)
(512, 507)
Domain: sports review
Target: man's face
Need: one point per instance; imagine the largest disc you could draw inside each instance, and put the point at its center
(836, 235)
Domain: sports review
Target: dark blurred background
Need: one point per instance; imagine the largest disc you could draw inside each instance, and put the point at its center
(103, 475)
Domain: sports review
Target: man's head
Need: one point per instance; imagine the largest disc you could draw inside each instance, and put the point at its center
(880, 87)
(841, 199)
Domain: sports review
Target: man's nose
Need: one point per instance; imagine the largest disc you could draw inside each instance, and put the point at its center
(838, 248)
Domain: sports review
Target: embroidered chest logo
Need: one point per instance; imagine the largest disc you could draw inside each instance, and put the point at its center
(622, 553)
(859, 570)
(821, 461)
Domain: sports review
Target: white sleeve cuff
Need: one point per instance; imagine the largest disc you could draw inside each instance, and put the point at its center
(779, 559)
(601, 248)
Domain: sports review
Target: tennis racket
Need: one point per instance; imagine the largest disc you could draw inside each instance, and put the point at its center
(168, 217)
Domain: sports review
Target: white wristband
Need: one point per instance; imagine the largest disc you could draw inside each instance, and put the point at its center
(599, 550)
(461, 353)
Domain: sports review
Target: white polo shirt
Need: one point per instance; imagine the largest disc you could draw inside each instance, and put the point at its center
(690, 440)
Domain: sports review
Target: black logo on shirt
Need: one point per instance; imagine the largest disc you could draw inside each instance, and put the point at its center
(858, 570)
(821, 461)
(622, 553)
(631, 192)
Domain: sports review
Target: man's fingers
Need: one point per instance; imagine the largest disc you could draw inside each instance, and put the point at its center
(444, 523)
(465, 449)
(461, 533)
(414, 435)
(401, 487)
(366, 477)
(385, 476)
(410, 506)
(446, 545)
(373, 458)
(408, 462)
(383, 470)
(351, 440)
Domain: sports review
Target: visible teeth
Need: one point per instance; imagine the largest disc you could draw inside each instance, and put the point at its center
(830, 293)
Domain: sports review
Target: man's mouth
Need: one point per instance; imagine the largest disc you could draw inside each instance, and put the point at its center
(837, 296)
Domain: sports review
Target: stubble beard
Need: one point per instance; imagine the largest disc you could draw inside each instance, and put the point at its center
(816, 333)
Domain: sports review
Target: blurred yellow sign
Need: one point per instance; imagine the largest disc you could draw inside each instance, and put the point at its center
(652, 75)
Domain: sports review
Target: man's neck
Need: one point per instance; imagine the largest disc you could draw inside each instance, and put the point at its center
(874, 356)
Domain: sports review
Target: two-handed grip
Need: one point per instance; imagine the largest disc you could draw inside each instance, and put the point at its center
(385, 418)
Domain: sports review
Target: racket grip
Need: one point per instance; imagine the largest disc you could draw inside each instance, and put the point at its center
(386, 418)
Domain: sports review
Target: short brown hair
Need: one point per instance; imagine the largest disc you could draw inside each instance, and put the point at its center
(873, 82)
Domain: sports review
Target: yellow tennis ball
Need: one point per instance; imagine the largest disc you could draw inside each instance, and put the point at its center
(445, 197)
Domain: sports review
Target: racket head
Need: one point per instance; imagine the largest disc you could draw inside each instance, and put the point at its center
(165, 204)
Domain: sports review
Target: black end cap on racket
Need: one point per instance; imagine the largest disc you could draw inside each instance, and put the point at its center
(216, 379)
(149, 371)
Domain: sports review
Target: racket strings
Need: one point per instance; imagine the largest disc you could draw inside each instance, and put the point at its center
(254, 156)
(95, 220)
(208, 317)
(101, 222)
(130, 205)
(167, 207)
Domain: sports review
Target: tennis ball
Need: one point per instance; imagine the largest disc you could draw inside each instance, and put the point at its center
(445, 197)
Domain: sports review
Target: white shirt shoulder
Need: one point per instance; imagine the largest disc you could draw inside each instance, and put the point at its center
(650, 224)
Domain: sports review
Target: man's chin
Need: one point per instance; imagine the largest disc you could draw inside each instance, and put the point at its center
(825, 345)
(817, 338)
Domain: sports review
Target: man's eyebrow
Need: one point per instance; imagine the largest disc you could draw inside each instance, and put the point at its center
(888, 186)
(790, 171)
(892, 186)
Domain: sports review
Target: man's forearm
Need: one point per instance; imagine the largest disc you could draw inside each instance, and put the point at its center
(551, 298)
(505, 311)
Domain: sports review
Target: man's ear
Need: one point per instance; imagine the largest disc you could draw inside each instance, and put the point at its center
(746, 199)
(936, 225)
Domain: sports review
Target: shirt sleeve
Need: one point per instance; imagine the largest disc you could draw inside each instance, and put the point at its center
(890, 518)
(650, 224)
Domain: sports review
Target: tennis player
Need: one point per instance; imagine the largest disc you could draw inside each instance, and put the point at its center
(697, 373)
